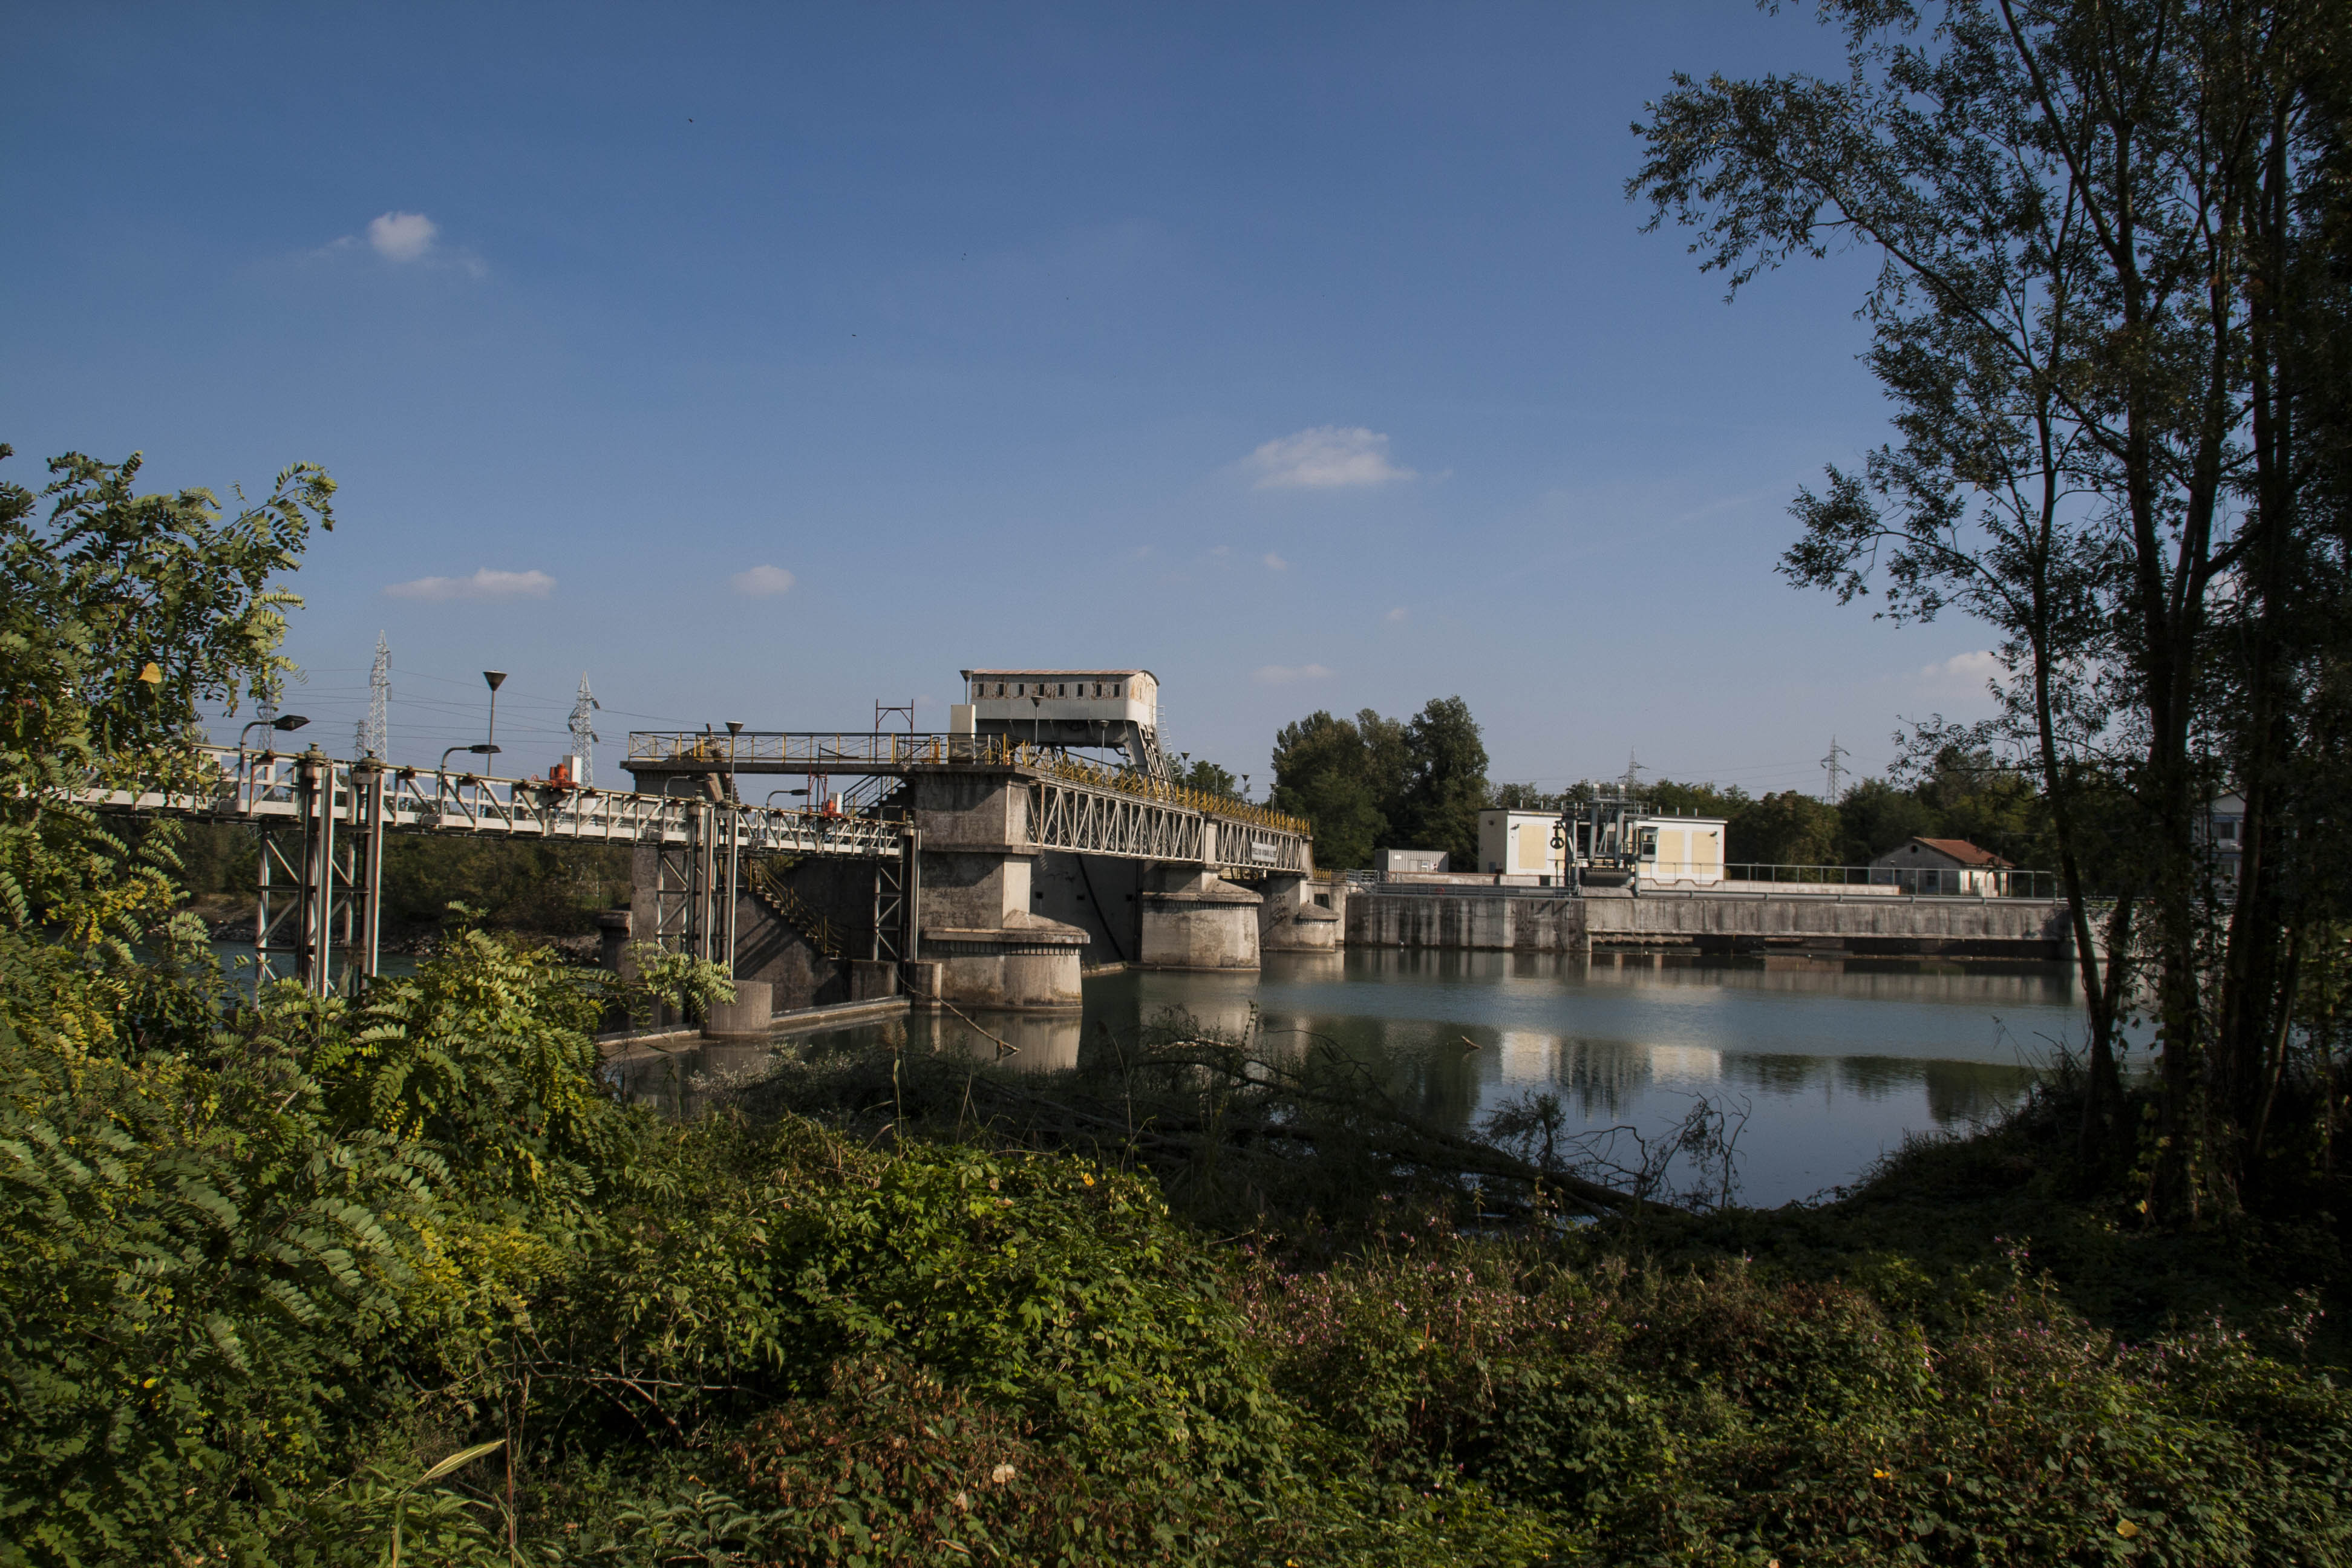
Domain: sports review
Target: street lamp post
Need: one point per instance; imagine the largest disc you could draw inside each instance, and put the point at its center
(734, 836)
(480, 750)
(497, 677)
(282, 722)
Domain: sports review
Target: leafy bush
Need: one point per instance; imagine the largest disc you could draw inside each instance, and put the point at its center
(1720, 1416)
(198, 1267)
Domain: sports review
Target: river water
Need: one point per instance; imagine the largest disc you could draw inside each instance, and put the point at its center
(1823, 1064)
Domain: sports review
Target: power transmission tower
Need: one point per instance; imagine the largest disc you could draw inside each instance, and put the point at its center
(584, 733)
(1632, 773)
(1835, 764)
(376, 734)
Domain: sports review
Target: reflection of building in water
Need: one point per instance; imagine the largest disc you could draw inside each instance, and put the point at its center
(1528, 1057)
(1041, 1042)
(1219, 1003)
(1602, 1077)
(683, 1083)
(1845, 979)
(1685, 1064)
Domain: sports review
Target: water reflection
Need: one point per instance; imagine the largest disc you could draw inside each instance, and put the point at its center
(1832, 1062)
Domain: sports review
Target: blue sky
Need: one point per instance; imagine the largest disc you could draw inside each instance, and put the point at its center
(762, 361)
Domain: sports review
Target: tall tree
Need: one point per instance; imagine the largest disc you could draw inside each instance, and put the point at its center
(123, 616)
(1321, 773)
(1388, 772)
(1445, 788)
(2064, 199)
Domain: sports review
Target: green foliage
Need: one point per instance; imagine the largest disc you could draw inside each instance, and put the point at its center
(124, 617)
(1374, 782)
(1788, 827)
(1447, 787)
(1207, 775)
(551, 888)
(1321, 773)
(1697, 799)
(1719, 1414)
(198, 1265)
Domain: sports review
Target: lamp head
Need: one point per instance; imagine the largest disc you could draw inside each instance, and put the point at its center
(734, 726)
(485, 749)
(288, 722)
(497, 677)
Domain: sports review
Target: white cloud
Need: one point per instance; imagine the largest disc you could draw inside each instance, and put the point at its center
(1397, 615)
(402, 236)
(1329, 456)
(1976, 667)
(1284, 674)
(763, 582)
(484, 584)
(1275, 562)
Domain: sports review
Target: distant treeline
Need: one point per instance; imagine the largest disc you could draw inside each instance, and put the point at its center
(1372, 782)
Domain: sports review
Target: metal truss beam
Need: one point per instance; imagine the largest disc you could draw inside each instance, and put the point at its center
(1065, 815)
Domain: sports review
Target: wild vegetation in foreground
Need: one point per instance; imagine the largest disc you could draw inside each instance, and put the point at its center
(292, 1283)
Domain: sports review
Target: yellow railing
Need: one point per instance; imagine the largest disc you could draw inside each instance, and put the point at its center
(1128, 781)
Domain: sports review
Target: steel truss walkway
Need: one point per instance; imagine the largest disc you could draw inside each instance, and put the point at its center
(322, 822)
(1073, 804)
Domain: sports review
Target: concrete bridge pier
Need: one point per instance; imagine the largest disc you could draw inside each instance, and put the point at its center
(1290, 919)
(979, 884)
(1195, 918)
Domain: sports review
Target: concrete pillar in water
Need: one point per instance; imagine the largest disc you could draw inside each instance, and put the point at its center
(612, 943)
(1291, 920)
(1194, 919)
(749, 1015)
(978, 927)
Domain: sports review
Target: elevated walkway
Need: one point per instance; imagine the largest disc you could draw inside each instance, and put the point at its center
(1075, 804)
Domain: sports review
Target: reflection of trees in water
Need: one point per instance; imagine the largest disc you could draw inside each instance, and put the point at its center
(1972, 1091)
(1774, 1074)
(1876, 1077)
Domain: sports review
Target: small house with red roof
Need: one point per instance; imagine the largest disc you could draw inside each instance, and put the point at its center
(1942, 866)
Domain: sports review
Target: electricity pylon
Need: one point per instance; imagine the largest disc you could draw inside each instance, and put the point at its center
(584, 733)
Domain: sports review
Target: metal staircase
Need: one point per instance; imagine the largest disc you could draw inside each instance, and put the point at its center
(768, 885)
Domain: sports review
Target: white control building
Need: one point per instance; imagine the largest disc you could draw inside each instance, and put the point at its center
(1102, 709)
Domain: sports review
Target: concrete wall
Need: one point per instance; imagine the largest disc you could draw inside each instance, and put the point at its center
(1290, 920)
(980, 890)
(2008, 927)
(1097, 893)
(1196, 920)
